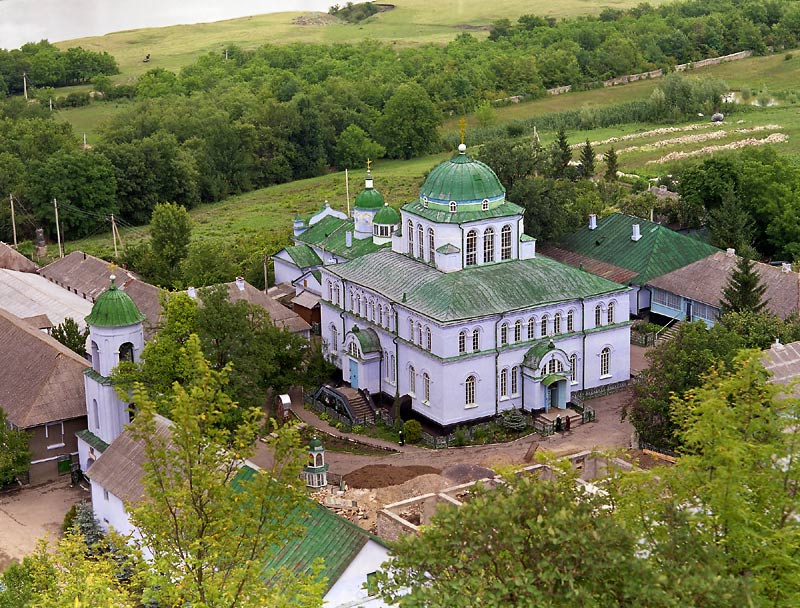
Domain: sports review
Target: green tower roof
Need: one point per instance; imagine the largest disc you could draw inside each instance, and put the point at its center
(387, 215)
(114, 308)
(369, 198)
(463, 180)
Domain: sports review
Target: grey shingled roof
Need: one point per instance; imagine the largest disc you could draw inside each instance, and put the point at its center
(11, 259)
(474, 292)
(783, 362)
(704, 281)
(41, 380)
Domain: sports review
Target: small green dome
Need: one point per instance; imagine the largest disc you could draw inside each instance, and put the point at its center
(387, 216)
(315, 444)
(114, 308)
(463, 180)
(369, 198)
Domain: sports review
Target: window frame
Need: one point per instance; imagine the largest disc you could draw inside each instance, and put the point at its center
(470, 391)
(471, 249)
(506, 248)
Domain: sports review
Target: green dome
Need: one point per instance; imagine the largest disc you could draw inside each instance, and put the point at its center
(114, 308)
(463, 180)
(387, 216)
(315, 444)
(369, 198)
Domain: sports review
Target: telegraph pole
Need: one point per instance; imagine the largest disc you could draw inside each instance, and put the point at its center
(114, 234)
(347, 189)
(25, 84)
(13, 221)
(58, 230)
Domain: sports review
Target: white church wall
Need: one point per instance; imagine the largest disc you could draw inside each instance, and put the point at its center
(285, 269)
(109, 340)
(106, 414)
(348, 590)
(110, 510)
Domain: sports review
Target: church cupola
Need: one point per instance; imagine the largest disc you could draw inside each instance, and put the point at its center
(367, 204)
(384, 224)
(316, 471)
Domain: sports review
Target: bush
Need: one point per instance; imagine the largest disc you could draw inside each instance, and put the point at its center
(787, 56)
(412, 429)
(513, 420)
(357, 429)
(69, 519)
(460, 437)
(75, 100)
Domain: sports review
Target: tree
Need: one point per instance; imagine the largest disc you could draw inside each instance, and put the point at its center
(676, 366)
(731, 226)
(209, 528)
(744, 291)
(560, 155)
(355, 146)
(509, 161)
(170, 232)
(610, 158)
(71, 336)
(486, 115)
(409, 124)
(15, 457)
(586, 168)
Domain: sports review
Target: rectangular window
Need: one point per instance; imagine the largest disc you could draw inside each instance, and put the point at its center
(665, 298)
(105, 494)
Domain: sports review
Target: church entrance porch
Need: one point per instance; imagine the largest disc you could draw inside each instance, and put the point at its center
(556, 391)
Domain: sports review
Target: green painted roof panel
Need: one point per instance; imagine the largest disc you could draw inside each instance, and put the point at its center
(658, 251)
(387, 215)
(114, 308)
(369, 198)
(462, 179)
(441, 216)
(303, 256)
(368, 339)
(475, 292)
(93, 440)
(329, 234)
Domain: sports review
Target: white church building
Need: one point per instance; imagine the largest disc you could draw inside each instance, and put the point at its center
(459, 314)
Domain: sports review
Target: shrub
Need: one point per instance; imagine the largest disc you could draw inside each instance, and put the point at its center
(513, 420)
(412, 429)
(357, 429)
(460, 437)
(69, 519)
(787, 56)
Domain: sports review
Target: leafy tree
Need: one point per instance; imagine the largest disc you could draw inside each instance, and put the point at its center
(508, 160)
(555, 207)
(71, 336)
(586, 168)
(744, 291)
(211, 261)
(500, 29)
(355, 146)
(676, 366)
(409, 124)
(209, 531)
(486, 115)
(759, 330)
(610, 158)
(15, 457)
(170, 231)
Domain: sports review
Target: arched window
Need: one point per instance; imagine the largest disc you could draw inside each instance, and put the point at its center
(126, 352)
(559, 367)
(488, 246)
(598, 315)
(469, 391)
(358, 304)
(531, 328)
(453, 206)
(426, 387)
(514, 380)
(336, 295)
(485, 205)
(380, 315)
(330, 291)
(353, 348)
(570, 321)
(352, 303)
(504, 334)
(388, 318)
(421, 241)
(505, 243)
(557, 323)
(334, 339)
(543, 328)
(518, 331)
(411, 331)
(476, 341)
(412, 380)
(551, 367)
(462, 342)
(372, 310)
(425, 202)
(387, 374)
(431, 246)
(605, 362)
(419, 334)
(410, 231)
(573, 366)
(610, 313)
(96, 412)
(393, 369)
(472, 248)
(504, 383)
(428, 338)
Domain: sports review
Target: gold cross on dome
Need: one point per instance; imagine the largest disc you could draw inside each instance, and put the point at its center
(111, 266)
(369, 164)
(463, 124)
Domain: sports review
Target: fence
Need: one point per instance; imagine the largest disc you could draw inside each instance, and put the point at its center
(643, 445)
(334, 416)
(640, 339)
(600, 391)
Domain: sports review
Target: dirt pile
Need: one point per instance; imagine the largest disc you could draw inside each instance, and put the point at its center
(383, 475)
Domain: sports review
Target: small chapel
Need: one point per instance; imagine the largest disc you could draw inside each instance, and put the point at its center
(452, 308)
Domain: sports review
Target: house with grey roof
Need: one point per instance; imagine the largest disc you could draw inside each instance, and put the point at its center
(459, 316)
(694, 292)
(630, 250)
(42, 392)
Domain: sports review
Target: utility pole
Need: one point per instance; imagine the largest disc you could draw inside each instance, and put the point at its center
(114, 234)
(13, 221)
(266, 283)
(25, 84)
(347, 189)
(58, 230)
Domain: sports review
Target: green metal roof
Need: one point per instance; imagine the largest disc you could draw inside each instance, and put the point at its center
(114, 308)
(369, 198)
(329, 234)
(327, 536)
(303, 256)
(387, 215)
(548, 380)
(441, 216)
(462, 179)
(97, 377)
(368, 339)
(93, 440)
(658, 251)
(537, 352)
(448, 248)
(476, 291)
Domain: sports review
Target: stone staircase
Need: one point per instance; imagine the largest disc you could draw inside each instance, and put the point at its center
(669, 333)
(359, 407)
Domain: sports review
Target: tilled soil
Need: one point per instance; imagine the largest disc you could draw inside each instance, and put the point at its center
(383, 475)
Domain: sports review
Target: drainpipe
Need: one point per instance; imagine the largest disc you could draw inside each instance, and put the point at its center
(496, 366)
(583, 354)
(463, 249)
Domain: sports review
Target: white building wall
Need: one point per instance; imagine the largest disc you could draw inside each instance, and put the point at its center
(285, 269)
(348, 591)
(106, 414)
(110, 510)
(108, 341)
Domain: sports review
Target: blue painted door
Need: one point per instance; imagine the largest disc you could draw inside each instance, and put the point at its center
(353, 374)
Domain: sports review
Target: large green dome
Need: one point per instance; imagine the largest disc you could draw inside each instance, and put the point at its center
(387, 216)
(463, 180)
(114, 308)
(369, 198)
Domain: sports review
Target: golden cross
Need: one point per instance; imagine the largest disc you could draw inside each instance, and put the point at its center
(463, 124)
(369, 164)
(112, 266)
